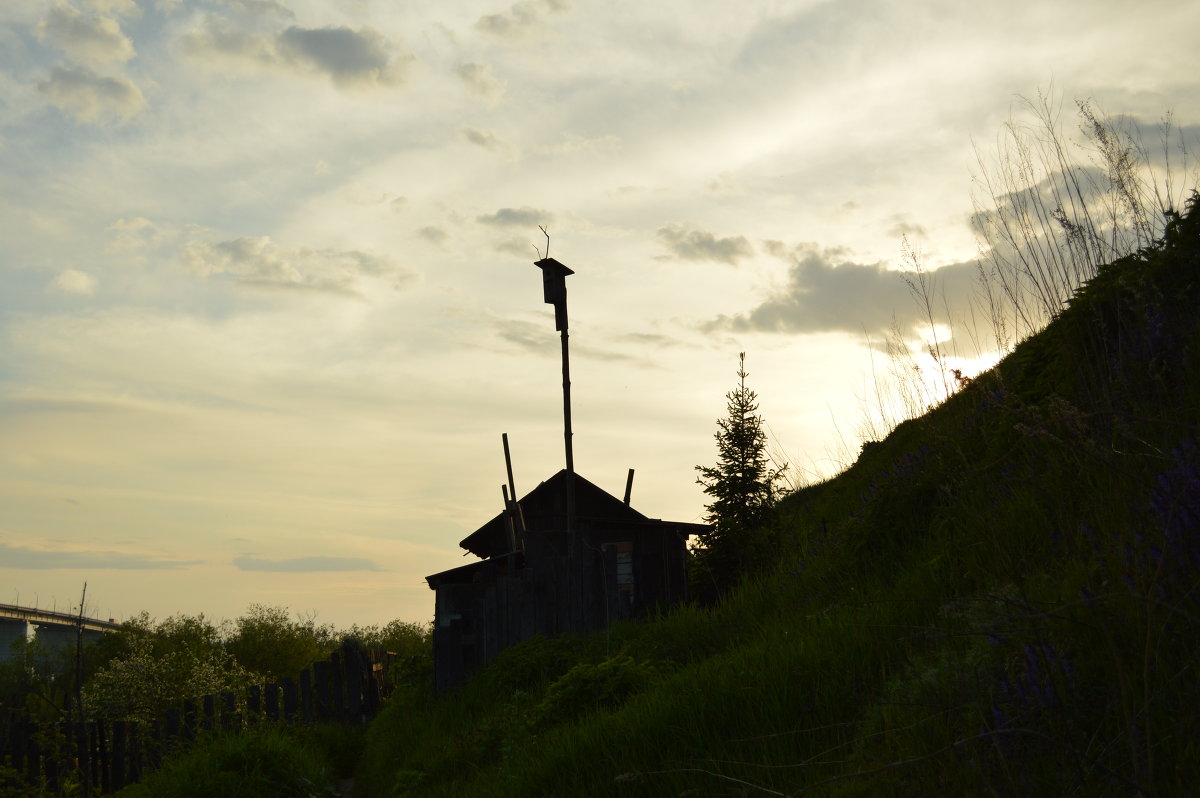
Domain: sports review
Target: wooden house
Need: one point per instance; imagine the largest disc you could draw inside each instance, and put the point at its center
(568, 557)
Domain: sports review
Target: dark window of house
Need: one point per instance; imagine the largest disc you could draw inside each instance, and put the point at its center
(624, 560)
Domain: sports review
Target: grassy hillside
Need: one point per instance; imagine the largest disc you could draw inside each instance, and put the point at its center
(1000, 598)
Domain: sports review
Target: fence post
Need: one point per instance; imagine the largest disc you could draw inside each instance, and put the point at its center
(119, 753)
(230, 719)
(291, 702)
(189, 719)
(100, 759)
(306, 695)
(173, 725)
(208, 712)
(139, 753)
(271, 700)
(323, 679)
(352, 679)
(339, 687)
(253, 704)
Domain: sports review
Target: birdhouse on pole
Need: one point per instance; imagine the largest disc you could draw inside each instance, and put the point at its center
(554, 287)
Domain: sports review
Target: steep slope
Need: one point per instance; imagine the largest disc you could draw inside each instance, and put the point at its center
(1001, 598)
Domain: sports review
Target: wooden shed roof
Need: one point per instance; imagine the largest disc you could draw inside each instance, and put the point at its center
(545, 506)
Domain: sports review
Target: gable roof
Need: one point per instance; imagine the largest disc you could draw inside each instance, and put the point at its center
(545, 509)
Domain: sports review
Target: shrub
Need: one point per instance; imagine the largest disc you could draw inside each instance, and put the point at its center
(590, 686)
(269, 762)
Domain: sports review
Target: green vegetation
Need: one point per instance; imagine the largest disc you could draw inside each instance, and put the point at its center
(139, 671)
(1001, 597)
(276, 761)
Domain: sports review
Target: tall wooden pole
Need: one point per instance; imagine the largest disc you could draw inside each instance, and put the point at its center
(574, 550)
(567, 434)
(554, 287)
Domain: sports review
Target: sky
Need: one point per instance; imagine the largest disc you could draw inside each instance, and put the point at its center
(267, 293)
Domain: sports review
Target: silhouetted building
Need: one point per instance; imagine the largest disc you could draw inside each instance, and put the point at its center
(552, 565)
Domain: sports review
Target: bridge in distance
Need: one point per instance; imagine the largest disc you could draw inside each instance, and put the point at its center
(52, 628)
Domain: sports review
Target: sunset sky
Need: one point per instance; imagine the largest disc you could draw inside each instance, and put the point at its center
(268, 297)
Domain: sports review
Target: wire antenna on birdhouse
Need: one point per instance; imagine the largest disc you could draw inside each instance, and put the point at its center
(546, 254)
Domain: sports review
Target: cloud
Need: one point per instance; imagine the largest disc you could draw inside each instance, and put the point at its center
(434, 235)
(482, 138)
(541, 339)
(122, 8)
(31, 559)
(132, 234)
(651, 340)
(516, 217)
(687, 244)
(522, 18)
(350, 58)
(95, 40)
(302, 565)
(538, 338)
(515, 246)
(90, 97)
(73, 281)
(823, 294)
(901, 226)
(259, 7)
(480, 80)
(258, 261)
(572, 144)
(220, 41)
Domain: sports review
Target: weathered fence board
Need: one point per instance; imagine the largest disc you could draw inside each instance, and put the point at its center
(111, 754)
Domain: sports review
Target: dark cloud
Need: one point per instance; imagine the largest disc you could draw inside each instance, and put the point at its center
(350, 57)
(688, 244)
(31, 559)
(824, 295)
(258, 261)
(303, 565)
(516, 217)
(521, 18)
(90, 97)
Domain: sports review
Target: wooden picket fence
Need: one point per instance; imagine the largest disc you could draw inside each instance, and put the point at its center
(106, 755)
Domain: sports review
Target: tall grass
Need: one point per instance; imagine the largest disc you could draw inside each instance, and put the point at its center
(1051, 208)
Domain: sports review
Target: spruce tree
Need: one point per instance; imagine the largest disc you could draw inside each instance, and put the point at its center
(744, 486)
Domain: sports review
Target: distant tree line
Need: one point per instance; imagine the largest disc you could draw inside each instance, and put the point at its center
(137, 671)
